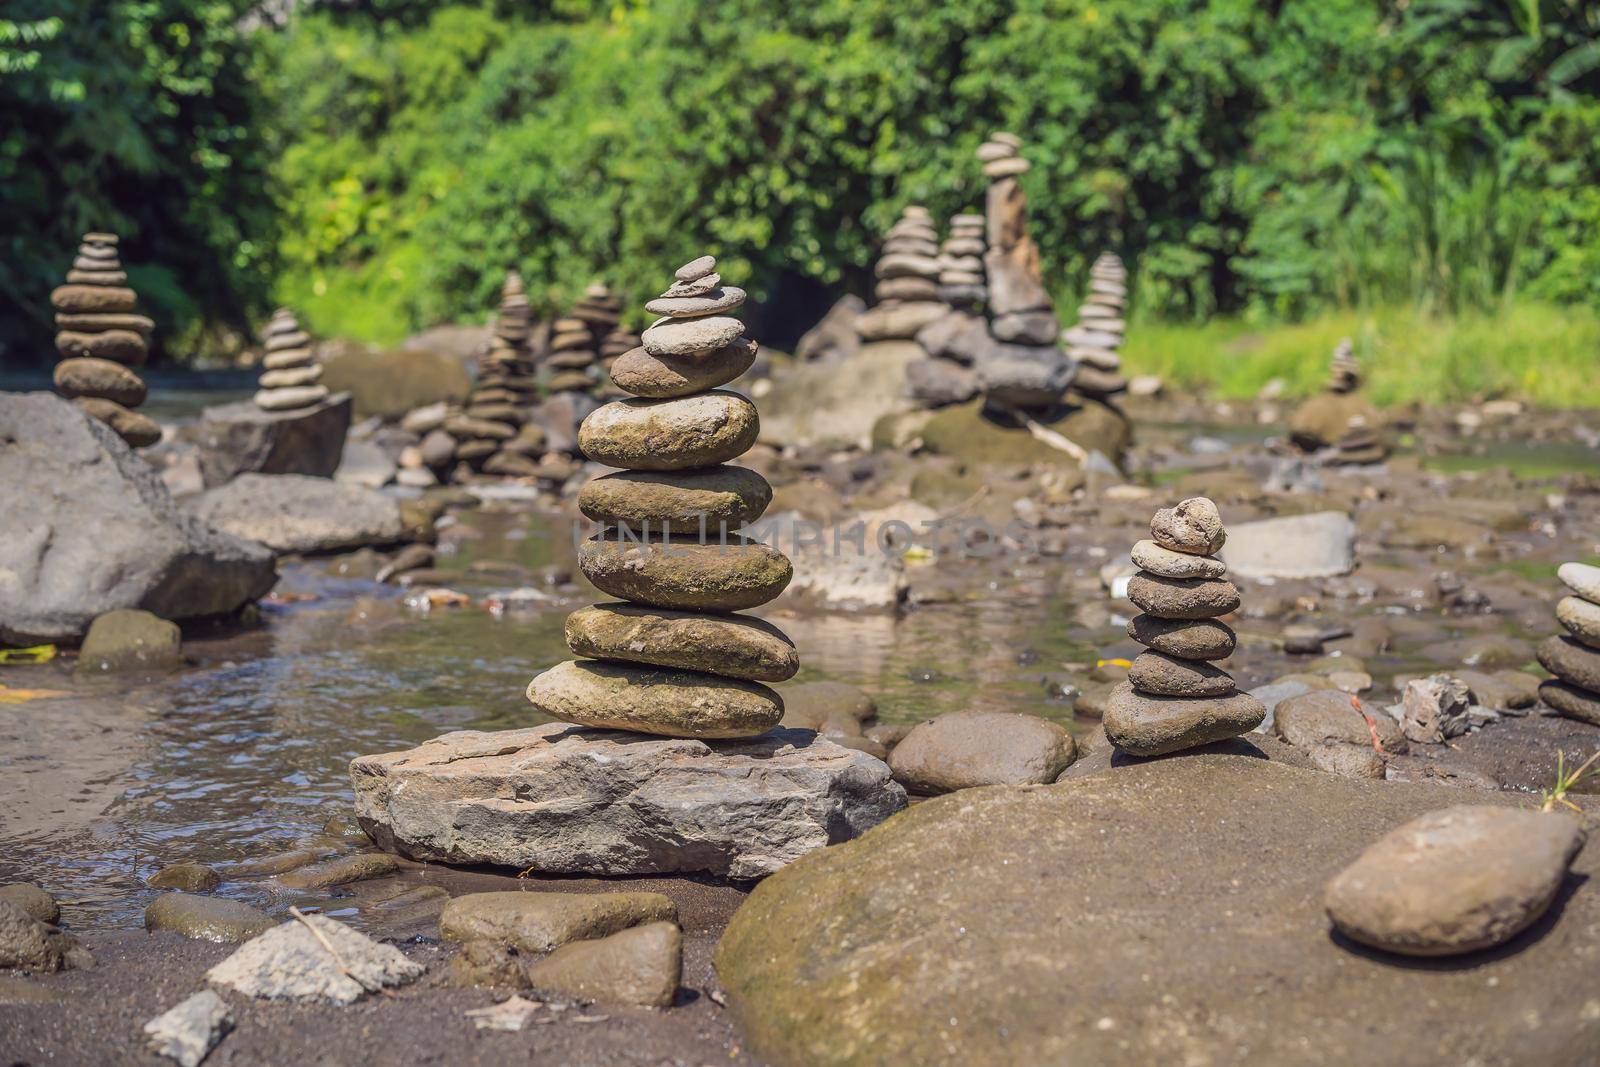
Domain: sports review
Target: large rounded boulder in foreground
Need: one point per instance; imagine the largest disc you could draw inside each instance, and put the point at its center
(1160, 912)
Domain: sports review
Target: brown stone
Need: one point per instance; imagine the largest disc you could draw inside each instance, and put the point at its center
(99, 377)
(734, 646)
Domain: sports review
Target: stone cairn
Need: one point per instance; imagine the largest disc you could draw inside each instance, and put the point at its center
(1024, 369)
(1361, 442)
(672, 660)
(574, 350)
(491, 435)
(1094, 341)
(1574, 657)
(289, 369)
(1344, 373)
(961, 282)
(100, 339)
(618, 342)
(1175, 697)
(907, 290)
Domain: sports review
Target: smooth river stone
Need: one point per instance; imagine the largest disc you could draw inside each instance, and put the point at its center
(654, 700)
(1581, 618)
(93, 298)
(1571, 701)
(96, 323)
(123, 346)
(1163, 675)
(299, 396)
(1582, 579)
(686, 337)
(281, 341)
(690, 307)
(131, 426)
(1143, 725)
(697, 287)
(1185, 638)
(733, 646)
(1169, 564)
(99, 377)
(696, 269)
(97, 277)
(686, 575)
(700, 499)
(292, 357)
(290, 376)
(1462, 879)
(1572, 661)
(665, 435)
(1192, 526)
(1182, 598)
(659, 377)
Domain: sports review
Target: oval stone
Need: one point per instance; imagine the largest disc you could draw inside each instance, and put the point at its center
(686, 337)
(1572, 661)
(1466, 878)
(642, 374)
(291, 357)
(692, 501)
(93, 298)
(1163, 675)
(733, 646)
(654, 700)
(86, 376)
(1186, 638)
(696, 268)
(1571, 701)
(298, 396)
(665, 435)
(131, 426)
(1169, 564)
(686, 575)
(291, 376)
(206, 918)
(1193, 526)
(1581, 618)
(95, 323)
(1143, 725)
(1182, 598)
(1582, 578)
(124, 346)
(687, 307)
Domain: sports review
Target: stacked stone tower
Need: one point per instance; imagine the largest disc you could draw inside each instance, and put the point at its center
(1574, 657)
(618, 342)
(101, 340)
(1175, 697)
(290, 371)
(490, 436)
(1094, 341)
(1344, 373)
(961, 263)
(907, 289)
(672, 659)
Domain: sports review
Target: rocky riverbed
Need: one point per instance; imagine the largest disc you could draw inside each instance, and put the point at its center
(239, 759)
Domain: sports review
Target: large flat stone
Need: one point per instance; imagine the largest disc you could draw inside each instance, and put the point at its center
(1319, 545)
(294, 513)
(92, 528)
(1161, 912)
(565, 800)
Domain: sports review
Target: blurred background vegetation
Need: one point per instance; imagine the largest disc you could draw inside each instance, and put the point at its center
(1422, 174)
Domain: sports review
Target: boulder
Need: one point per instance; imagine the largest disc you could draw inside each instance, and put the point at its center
(241, 438)
(834, 339)
(1319, 545)
(94, 530)
(938, 382)
(836, 404)
(1159, 912)
(967, 432)
(1323, 419)
(738, 808)
(294, 513)
(967, 749)
(899, 321)
(390, 384)
(367, 463)
(130, 640)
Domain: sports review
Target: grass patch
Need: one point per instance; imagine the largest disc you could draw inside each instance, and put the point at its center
(1535, 352)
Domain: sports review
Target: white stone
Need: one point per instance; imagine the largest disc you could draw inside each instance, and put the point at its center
(1318, 545)
(188, 1032)
(289, 962)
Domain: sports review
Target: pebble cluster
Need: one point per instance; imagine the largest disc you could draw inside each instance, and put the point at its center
(1175, 696)
(290, 371)
(1094, 341)
(100, 339)
(1574, 657)
(672, 659)
(961, 282)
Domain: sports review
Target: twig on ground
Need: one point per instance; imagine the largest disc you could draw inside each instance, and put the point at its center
(1372, 725)
(338, 960)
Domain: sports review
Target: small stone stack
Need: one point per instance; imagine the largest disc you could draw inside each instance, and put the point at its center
(907, 290)
(1344, 373)
(1339, 422)
(100, 339)
(1175, 697)
(490, 436)
(572, 355)
(1094, 341)
(601, 313)
(1024, 369)
(290, 371)
(961, 263)
(619, 342)
(672, 661)
(1574, 657)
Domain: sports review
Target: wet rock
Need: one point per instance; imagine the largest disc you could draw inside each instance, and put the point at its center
(663, 435)
(99, 532)
(1318, 545)
(205, 918)
(686, 575)
(241, 438)
(33, 900)
(1434, 709)
(341, 870)
(863, 952)
(294, 513)
(740, 809)
(540, 922)
(29, 944)
(188, 1032)
(1152, 726)
(641, 965)
(967, 749)
(290, 962)
(189, 877)
(1327, 715)
(1453, 881)
(731, 646)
